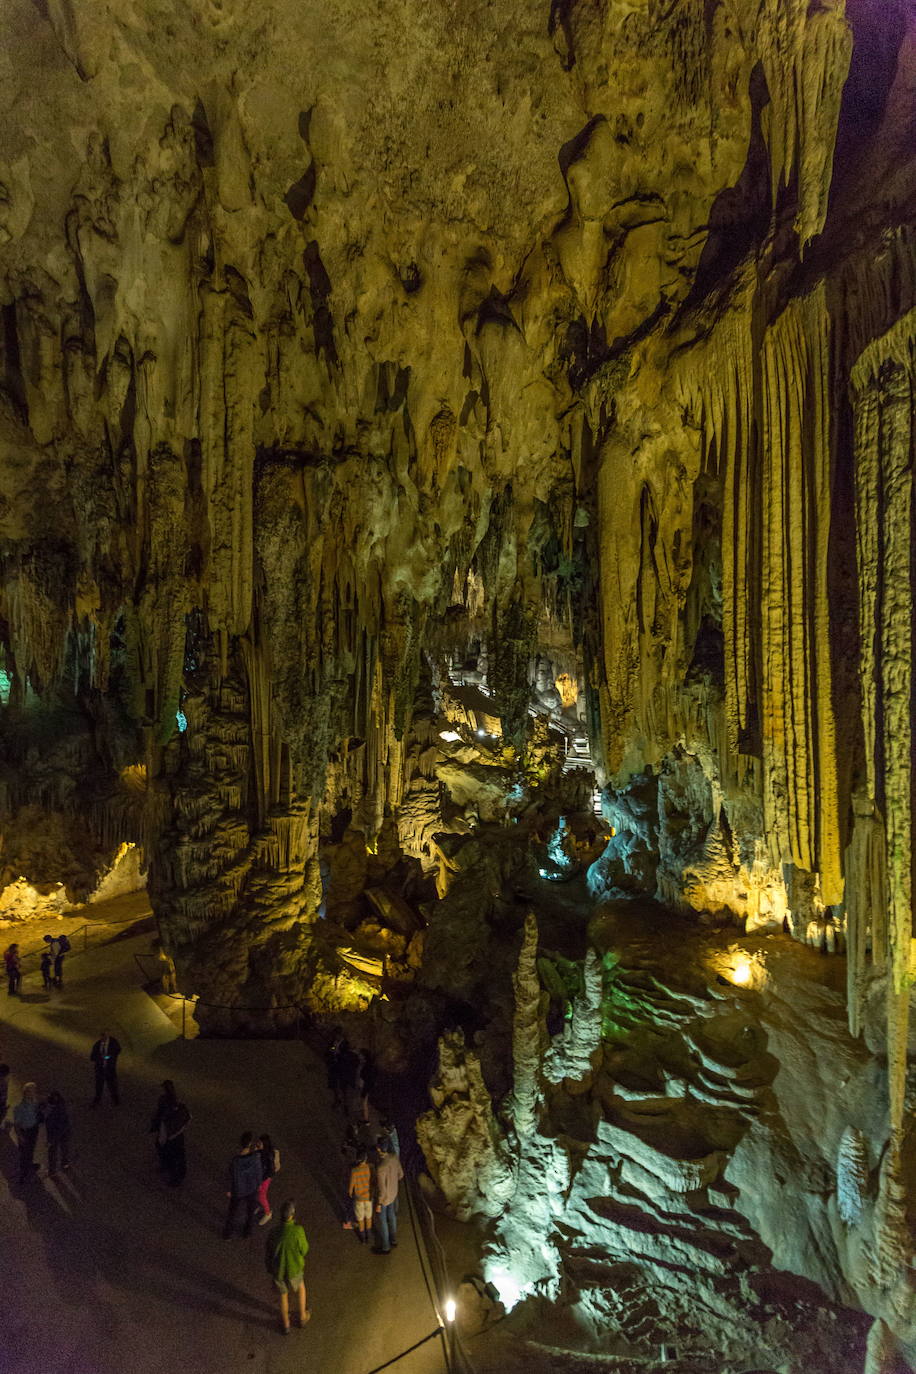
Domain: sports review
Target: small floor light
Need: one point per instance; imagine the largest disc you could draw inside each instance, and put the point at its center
(450, 1310)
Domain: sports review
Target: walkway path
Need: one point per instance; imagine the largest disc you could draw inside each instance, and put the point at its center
(108, 1271)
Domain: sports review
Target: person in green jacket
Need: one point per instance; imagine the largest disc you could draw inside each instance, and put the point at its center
(287, 1248)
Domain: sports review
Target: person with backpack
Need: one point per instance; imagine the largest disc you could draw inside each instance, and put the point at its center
(168, 1124)
(244, 1181)
(270, 1166)
(285, 1253)
(45, 965)
(59, 945)
(57, 1131)
(13, 967)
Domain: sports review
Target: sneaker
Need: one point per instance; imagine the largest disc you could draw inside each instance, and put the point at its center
(265, 1218)
(347, 1225)
(306, 1318)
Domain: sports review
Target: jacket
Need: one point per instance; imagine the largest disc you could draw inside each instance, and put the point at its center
(114, 1049)
(57, 1120)
(287, 1248)
(27, 1116)
(245, 1175)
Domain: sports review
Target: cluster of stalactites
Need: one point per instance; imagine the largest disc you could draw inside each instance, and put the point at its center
(881, 876)
(766, 418)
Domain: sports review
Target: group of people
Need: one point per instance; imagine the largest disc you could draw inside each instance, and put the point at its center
(30, 1114)
(374, 1168)
(373, 1189)
(351, 1076)
(51, 964)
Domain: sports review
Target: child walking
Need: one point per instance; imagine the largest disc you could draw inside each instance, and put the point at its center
(270, 1166)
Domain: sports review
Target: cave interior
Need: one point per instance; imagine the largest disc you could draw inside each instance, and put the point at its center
(456, 553)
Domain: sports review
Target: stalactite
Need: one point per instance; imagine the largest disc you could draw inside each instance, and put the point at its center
(882, 384)
(800, 787)
(805, 55)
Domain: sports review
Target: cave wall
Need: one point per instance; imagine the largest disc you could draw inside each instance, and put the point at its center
(333, 341)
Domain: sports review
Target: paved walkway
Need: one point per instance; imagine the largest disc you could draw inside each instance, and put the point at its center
(107, 1270)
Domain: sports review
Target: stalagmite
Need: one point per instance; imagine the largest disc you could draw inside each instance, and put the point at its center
(527, 1035)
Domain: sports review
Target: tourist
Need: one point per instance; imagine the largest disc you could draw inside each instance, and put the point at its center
(244, 1182)
(388, 1174)
(389, 1129)
(332, 1059)
(60, 946)
(360, 1190)
(270, 1166)
(285, 1254)
(348, 1069)
(45, 964)
(104, 1057)
(4, 1091)
(13, 966)
(366, 1082)
(27, 1120)
(57, 1131)
(169, 1123)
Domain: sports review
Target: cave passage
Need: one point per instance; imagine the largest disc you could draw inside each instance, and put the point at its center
(457, 624)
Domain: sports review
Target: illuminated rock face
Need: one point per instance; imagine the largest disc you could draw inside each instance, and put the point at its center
(575, 346)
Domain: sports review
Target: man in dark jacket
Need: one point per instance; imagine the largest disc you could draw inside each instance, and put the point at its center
(245, 1178)
(104, 1058)
(57, 1129)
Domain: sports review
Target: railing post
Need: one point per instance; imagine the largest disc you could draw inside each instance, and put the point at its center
(184, 1014)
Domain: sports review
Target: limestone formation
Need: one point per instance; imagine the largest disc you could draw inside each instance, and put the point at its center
(422, 423)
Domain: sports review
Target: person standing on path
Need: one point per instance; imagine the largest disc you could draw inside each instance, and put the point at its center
(332, 1059)
(270, 1165)
(104, 1057)
(388, 1128)
(169, 1123)
(287, 1248)
(45, 966)
(27, 1119)
(57, 1130)
(4, 1092)
(360, 1190)
(244, 1181)
(388, 1175)
(13, 966)
(366, 1082)
(60, 946)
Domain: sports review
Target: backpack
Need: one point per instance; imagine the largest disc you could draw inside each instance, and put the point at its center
(63, 944)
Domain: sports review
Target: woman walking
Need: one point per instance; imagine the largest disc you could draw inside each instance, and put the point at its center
(26, 1120)
(270, 1165)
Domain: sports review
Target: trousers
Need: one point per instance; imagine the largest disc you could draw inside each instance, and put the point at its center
(386, 1226)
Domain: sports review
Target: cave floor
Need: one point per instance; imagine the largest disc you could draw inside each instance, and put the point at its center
(107, 1269)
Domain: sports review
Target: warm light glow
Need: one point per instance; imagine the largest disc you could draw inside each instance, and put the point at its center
(450, 1310)
(742, 973)
(450, 735)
